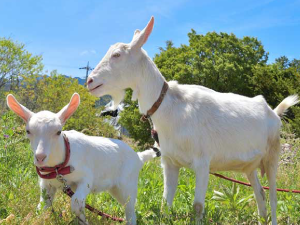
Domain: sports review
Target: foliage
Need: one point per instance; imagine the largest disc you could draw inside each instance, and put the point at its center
(233, 200)
(104, 100)
(277, 81)
(15, 63)
(221, 61)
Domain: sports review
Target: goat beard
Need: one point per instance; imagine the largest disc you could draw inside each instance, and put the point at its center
(117, 98)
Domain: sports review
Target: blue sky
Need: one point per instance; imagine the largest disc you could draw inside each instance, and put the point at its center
(68, 33)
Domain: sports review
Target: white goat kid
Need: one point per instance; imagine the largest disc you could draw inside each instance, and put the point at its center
(198, 128)
(100, 164)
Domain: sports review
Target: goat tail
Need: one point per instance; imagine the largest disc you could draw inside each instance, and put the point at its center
(285, 104)
(148, 154)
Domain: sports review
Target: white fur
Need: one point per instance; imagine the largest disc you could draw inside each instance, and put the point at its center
(101, 164)
(285, 104)
(198, 128)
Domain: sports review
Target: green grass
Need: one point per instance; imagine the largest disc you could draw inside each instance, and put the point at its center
(225, 203)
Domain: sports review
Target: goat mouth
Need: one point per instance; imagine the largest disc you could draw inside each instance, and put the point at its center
(95, 87)
(39, 165)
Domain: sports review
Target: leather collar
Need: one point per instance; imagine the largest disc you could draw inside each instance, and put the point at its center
(60, 168)
(156, 104)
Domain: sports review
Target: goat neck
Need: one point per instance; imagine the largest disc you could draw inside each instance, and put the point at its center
(149, 84)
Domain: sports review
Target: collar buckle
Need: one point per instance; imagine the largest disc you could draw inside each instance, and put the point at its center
(144, 118)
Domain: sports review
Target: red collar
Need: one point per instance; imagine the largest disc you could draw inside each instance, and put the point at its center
(60, 168)
(156, 104)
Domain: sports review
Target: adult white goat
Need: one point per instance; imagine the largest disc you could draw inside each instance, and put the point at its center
(100, 164)
(198, 128)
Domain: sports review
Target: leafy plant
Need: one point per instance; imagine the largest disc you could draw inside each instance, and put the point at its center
(232, 198)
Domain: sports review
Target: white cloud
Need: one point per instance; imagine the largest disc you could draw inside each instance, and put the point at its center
(88, 52)
(84, 52)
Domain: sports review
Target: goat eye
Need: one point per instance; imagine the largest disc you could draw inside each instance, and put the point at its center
(116, 55)
(27, 131)
(58, 133)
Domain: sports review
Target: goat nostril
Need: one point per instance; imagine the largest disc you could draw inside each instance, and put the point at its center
(90, 80)
(40, 157)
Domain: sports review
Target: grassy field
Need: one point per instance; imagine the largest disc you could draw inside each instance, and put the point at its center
(225, 203)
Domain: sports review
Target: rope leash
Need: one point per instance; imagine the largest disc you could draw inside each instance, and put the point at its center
(67, 190)
(249, 185)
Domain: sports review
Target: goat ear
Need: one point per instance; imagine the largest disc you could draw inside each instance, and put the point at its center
(20, 110)
(136, 33)
(69, 109)
(141, 37)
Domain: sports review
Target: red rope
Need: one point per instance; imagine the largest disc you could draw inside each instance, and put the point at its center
(247, 184)
(69, 192)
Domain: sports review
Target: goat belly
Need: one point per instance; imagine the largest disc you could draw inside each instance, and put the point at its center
(178, 158)
(180, 162)
(241, 162)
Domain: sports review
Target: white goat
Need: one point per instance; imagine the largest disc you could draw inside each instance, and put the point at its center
(198, 128)
(100, 164)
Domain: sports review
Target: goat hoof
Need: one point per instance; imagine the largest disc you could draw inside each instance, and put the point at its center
(82, 220)
(198, 207)
(39, 207)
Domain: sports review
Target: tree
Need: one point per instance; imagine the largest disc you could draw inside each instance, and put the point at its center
(282, 62)
(274, 82)
(295, 63)
(16, 63)
(277, 81)
(221, 61)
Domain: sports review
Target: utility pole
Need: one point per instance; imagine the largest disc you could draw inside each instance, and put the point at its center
(87, 68)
